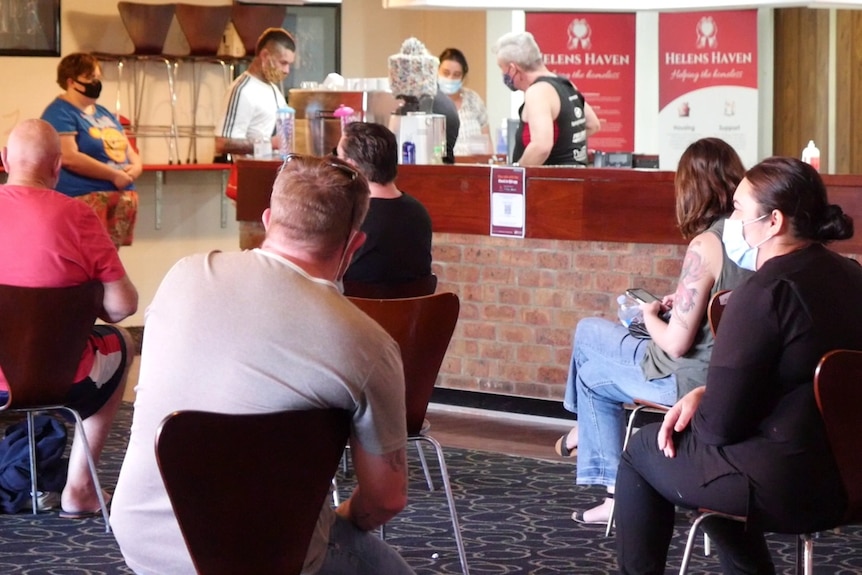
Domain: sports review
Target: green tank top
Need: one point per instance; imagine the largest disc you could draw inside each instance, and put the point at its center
(691, 368)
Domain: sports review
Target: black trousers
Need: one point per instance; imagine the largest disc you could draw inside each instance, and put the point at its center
(650, 486)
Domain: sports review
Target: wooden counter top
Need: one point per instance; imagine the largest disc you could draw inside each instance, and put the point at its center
(592, 204)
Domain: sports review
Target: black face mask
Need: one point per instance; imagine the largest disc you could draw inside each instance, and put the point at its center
(91, 90)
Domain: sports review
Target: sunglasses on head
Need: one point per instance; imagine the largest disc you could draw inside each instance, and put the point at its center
(343, 168)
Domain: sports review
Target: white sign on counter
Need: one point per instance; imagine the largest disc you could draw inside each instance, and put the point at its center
(508, 201)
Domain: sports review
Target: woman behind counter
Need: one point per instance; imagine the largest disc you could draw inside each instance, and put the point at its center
(474, 136)
(752, 442)
(555, 118)
(99, 164)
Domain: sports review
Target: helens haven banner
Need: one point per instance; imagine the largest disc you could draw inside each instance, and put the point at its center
(707, 82)
(597, 53)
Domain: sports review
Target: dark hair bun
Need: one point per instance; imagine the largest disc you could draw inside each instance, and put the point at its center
(834, 225)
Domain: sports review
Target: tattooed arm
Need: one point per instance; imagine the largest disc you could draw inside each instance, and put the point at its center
(381, 491)
(700, 268)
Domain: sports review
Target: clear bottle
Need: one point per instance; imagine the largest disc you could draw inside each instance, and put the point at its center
(285, 125)
(502, 138)
(629, 310)
(811, 155)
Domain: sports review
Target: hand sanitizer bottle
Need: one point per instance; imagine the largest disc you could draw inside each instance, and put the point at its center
(811, 155)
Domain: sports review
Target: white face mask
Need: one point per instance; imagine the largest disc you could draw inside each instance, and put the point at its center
(738, 250)
(448, 86)
(339, 273)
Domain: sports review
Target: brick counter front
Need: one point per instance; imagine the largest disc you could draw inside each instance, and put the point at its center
(521, 300)
(591, 234)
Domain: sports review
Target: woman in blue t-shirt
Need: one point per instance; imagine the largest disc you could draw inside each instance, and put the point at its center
(99, 163)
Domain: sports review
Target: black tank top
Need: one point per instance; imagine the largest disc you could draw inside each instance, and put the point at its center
(570, 128)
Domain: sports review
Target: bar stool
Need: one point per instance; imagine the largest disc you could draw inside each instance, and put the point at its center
(147, 26)
(250, 21)
(203, 27)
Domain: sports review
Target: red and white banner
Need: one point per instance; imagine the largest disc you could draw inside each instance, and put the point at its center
(597, 53)
(707, 82)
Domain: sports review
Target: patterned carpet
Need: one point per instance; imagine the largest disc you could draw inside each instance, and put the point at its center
(514, 514)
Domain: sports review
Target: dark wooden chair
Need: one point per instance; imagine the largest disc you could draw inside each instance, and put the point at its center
(147, 26)
(204, 28)
(250, 20)
(43, 333)
(247, 489)
(717, 303)
(422, 327)
(414, 288)
(838, 395)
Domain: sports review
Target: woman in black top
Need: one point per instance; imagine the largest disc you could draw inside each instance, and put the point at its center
(751, 442)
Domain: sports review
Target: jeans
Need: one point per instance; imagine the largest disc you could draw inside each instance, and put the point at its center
(355, 552)
(605, 373)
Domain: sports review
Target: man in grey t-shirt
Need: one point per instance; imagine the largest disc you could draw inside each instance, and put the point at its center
(266, 330)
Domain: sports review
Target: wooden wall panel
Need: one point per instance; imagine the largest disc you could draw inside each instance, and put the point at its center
(801, 81)
(848, 111)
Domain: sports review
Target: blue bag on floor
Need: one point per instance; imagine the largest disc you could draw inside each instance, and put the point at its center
(15, 462)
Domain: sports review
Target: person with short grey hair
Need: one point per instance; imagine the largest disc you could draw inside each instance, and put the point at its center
(519, 48)
(555, 119)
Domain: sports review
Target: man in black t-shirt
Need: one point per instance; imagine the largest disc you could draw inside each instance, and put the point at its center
(398, 227)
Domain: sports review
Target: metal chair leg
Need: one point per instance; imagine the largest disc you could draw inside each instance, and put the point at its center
(629, 430)
(91, 462)
(689, 544)
(447, 486)
(805, 554)
(425, 469)
(336, 500)
(31, 441)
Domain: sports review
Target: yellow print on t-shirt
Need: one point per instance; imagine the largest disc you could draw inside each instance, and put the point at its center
(113, 140)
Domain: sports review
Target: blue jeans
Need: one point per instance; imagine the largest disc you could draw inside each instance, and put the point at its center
(355, 552)
(605, 373)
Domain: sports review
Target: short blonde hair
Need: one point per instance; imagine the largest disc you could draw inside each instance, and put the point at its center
(318, 202)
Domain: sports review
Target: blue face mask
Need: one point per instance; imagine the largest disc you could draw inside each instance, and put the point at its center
(738, 250)
(510, 82)
(448, 86)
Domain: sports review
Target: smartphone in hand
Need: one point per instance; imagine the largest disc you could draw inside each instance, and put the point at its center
(641, 295)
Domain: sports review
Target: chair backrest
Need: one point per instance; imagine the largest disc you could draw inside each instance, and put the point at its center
(414, 288)
(203, 26)
(716, 306)
(147, 25)
(422, 327)
(251, 20)
(838, 390)
(247, 489)
(43, 332)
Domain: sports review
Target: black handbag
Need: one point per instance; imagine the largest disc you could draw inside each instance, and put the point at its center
(638, 329)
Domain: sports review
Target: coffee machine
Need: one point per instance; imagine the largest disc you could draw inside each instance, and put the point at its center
(318, 128)
(421, 135)
(418, 130)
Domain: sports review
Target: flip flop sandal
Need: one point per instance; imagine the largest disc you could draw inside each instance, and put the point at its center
(579, 517)
(562, 449)
(87, 513)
